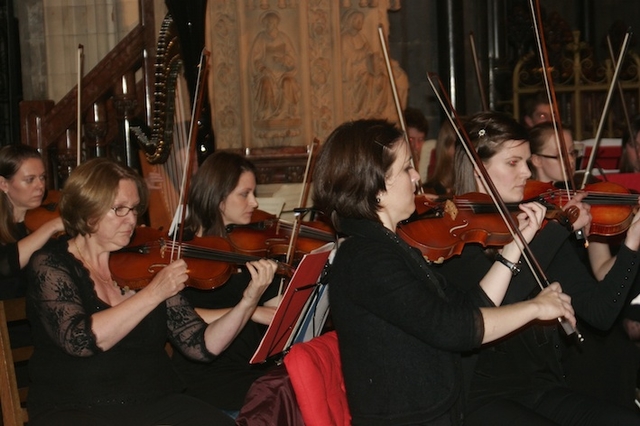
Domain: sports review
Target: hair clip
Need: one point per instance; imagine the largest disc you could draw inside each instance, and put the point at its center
(482, 132)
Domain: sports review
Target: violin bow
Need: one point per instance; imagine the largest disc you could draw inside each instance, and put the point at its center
(79, 106)
(196, 110)
(503, 210)
(396, 100)
(625, 111)
(556, 120)
(476, 66)
(302, 202)
(605, 109)
(538, 30)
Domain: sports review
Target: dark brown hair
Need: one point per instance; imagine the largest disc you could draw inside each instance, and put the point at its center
(488, 132)
(213, 182)
(413, 117)
(11, 159)
(351, 169)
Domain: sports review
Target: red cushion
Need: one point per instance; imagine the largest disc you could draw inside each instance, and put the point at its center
(316, 376)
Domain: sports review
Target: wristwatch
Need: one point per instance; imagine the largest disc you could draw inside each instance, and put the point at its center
(513, 267)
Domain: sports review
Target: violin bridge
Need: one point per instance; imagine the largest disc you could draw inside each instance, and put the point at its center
(451, 209)
(163, 247)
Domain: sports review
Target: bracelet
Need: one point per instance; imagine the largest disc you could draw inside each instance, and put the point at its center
(513, 267)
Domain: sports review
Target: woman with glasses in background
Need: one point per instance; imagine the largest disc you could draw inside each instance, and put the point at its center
(589, 367)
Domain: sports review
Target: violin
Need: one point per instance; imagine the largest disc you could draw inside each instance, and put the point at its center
(210, 260)
(612, 205)
(268, 236)
(48, 210)
(444, 227)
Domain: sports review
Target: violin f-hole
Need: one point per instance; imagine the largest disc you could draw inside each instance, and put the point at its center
(154, 268)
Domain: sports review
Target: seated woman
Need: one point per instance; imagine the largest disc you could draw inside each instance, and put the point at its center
(23, 185)
(607, 363)
(222, 193)
(400, 326)
(99, 353)
(519, 379)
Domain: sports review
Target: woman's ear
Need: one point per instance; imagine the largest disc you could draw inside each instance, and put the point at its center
(536, 161)
(4, 184)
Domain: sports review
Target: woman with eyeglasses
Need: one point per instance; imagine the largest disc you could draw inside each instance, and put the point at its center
(545, 159)
(589, 368)
(520, 379)
(99, 354)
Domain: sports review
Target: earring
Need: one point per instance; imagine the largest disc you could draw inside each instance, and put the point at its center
(377, 200)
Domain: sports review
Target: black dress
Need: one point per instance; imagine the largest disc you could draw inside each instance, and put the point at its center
(225, 381)
(69, 372)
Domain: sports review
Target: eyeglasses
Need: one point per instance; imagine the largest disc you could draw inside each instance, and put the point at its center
(122, 211)
(573, 154)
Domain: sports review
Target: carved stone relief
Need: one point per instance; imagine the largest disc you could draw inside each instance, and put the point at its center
(286, 71)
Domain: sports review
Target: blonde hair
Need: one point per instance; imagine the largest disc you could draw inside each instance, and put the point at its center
(89, 193)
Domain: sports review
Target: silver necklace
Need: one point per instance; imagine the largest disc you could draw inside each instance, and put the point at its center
(123, 290)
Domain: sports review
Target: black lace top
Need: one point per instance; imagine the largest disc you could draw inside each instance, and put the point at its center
(68, 369)
(12, 279)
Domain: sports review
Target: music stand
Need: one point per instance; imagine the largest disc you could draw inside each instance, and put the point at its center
(289, 314)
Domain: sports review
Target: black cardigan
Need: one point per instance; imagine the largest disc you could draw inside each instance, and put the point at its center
(400, 328)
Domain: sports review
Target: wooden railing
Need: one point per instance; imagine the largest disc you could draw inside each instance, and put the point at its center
(109, 94)
(107, 108)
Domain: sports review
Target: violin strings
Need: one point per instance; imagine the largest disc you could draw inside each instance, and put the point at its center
(213, 254)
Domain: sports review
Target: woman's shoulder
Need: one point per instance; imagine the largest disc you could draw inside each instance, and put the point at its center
(55, 248)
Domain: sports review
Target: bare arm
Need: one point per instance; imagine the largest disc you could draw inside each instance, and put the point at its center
(220, 333)
(497, 279)
(34, 241)
(550, 304)
(111, 325)
(261, 315)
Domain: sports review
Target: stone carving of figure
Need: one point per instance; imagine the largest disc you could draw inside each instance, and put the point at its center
(357, 62)
(273, 67)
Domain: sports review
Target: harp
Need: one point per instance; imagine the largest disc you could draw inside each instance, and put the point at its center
(163, 148)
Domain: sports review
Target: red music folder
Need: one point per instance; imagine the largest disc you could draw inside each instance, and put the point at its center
(280, 334)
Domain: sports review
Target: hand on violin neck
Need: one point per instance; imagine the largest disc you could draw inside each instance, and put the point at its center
(262, 272)
(530, 220)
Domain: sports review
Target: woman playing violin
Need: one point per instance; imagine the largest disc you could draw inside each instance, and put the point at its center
(519, 380)
(22, 181)
(400, 325)
(545, 159)
(222, 193)
(606, 364)
(99, 353)
(630, 158)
